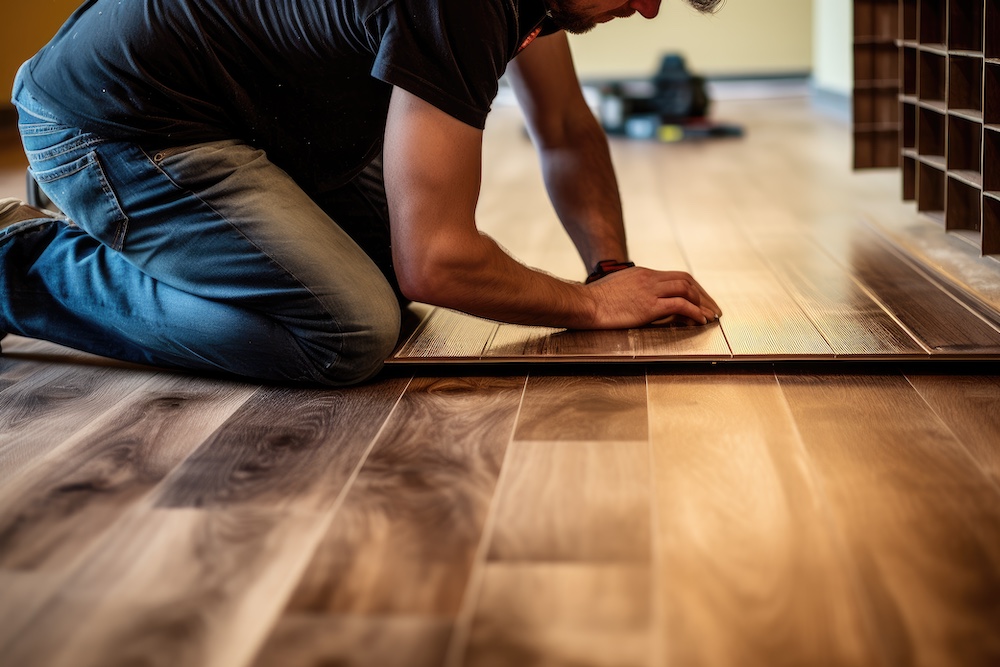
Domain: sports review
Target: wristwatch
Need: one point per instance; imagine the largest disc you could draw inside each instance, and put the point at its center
(606, 266)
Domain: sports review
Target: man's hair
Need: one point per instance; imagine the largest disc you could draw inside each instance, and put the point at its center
(707, 6)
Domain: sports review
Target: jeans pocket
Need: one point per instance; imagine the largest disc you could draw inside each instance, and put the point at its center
(81, 189)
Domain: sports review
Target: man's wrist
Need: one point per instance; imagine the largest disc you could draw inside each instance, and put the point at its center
(606, 267)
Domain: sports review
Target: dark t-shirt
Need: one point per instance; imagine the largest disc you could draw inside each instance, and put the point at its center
(306, 80)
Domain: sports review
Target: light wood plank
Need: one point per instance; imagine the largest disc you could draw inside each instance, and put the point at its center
(573, 501)
(970, 406)
(747, 570)
(681, 343)
(562, 614)
(593, 408)
(406, 537)
(942, 324)
(920, 521)
(445, 334)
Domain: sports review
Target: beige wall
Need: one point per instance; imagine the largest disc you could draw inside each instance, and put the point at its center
(746, 37)
(28, 25)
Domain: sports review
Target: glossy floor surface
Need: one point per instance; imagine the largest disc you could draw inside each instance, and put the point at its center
(606, 515)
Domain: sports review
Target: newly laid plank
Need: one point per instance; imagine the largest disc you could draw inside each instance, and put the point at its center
(562, 614)
(41, 411)
(573, 501)
(679, 343)
(445, 334)
(919, 520)
(747, 571)
(970, 406)
(382, 641)
(574, 408)
(404, 541)
(852, 323)
(945, 326)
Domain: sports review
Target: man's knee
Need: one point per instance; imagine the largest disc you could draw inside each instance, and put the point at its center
(364, 349)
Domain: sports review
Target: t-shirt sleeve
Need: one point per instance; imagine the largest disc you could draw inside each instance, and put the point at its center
(450, 53)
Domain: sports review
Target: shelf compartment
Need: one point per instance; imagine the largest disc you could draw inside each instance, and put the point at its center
(909, 178)
(876, 147)
(965, 146)
(930, 132)
(876, 106)
(908, 116)
(965, 83)
(991, 93)
(991, 45)
(991, 225)
(931, 19)
(964, 207)
(991, 160)
(930, 190)
(965, 25)
(876, 20)
(908, 65)
(908, 19)
(931, 76)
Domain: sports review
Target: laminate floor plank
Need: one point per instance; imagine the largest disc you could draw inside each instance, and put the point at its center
(38, 413)
(970, 406)
(562, 615)
(680, 343)
(593, 408)
(747, 571)
(51, 512)
(919, 520)
(573, 501)
(199, 571)
(940, 322)
(404, 541)
(853, 324)
(285, 447)
(356, 641)
(445, 334)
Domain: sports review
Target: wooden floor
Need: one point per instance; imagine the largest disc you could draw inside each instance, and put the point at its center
(604, 515)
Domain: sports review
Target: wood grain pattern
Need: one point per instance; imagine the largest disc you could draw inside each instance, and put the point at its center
(601, 408)
(44, 409)
(284, 447)
(681, 343)
(405, 539)
(579, 614)
(943, 324)
(52, 511)
(446, 333)
(356, 641)
(920, 521)
(970, 407)
(573, 501)
(747, 572)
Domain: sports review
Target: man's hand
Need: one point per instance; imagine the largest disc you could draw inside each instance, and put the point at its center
(638, 296)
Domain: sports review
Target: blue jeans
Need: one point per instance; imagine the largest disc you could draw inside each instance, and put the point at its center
(204, 257)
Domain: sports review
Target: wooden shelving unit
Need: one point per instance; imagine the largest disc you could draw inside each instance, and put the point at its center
(941, 126)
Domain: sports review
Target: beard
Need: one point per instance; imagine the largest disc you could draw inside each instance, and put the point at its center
(568, 18)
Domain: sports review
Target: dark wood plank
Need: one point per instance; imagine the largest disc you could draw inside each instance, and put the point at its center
(562, 614)
(747, 569)
(51, 512)
(940, 322)
(285, 447)
(41, 411)
(919, 520)
(970, 406)
(405, 539)
(356, 641)
(208, 560)
(573, 501)
(591, 408)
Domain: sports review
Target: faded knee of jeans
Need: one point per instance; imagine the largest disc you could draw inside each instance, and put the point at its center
(363, 350)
